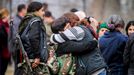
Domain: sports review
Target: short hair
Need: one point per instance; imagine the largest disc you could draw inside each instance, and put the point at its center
(20, 7)
(3, 13)
(130, 23)
(34, 6)
(73, 10)
(59, 24)
(48, 14)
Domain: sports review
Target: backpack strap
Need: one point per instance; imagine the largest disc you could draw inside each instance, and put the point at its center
(35, 19)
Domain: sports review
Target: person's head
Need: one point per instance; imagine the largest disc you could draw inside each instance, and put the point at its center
(36, 8)
(73, 10)
(80, 14)
(48, 14)
(102, 28)
(4, 14)
(115, 22)
(22, 9)
(59, 24)
(130, 28)
(45, 5)
(48, 18)
(73, 19)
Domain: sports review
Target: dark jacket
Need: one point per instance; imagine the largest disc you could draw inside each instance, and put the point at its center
(4, 28)
(34, 40)
(129, 53)
(112, 46)
(88, 57)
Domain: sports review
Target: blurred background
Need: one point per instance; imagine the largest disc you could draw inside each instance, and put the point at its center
(100, 9)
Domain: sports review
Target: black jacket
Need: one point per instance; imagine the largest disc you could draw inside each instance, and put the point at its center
(88, 57)
(34, 40)
(129, 53)
(3, 37)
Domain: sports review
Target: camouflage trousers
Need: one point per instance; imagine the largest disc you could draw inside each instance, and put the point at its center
(24, 69)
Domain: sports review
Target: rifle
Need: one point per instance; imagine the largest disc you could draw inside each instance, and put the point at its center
(43, 70)
(27, 60)
(18, 41)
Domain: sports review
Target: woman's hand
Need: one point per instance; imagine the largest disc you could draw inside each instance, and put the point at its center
(36, 62)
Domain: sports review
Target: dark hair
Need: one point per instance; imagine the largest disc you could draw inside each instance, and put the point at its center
(20, 7)
(34, 6)
(73, 10)
(59, 24)
(130, 23)
(48, 14)
(45, 5)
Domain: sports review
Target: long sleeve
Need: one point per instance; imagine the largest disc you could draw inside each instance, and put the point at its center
(126, 55)
(3, 36)
(34, 37)
(76, 46)
(87, 44)
(75, 33)
(127, 51)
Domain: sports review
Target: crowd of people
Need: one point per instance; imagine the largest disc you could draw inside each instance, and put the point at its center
(39, 44)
